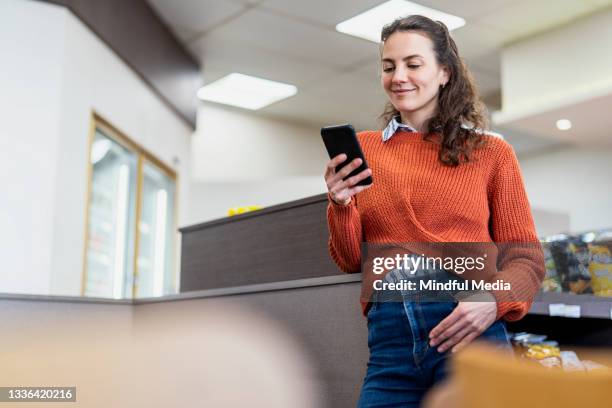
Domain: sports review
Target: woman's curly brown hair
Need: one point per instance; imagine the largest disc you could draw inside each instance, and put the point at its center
(461, 116)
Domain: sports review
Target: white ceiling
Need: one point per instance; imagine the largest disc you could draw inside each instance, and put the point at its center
(589, 126)
(294, 41)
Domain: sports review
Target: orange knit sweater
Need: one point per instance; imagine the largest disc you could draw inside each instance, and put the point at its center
(415, 198)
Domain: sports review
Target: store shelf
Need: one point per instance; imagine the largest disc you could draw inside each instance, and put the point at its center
(568, 304)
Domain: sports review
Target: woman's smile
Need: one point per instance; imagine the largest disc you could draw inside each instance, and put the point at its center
(403, 92)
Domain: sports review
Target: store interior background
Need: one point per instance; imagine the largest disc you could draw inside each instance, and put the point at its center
(535, 62)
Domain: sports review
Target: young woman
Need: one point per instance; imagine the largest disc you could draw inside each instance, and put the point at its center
(438, 177)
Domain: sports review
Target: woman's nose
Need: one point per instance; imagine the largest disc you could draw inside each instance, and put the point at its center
(399, 76)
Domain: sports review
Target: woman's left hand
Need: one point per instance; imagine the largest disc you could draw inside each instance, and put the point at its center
(468, 321)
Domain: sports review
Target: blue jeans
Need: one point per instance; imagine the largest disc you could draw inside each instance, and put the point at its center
(402, 366)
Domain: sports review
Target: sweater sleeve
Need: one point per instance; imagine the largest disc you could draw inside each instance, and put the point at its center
(344, 224)
(521, 260)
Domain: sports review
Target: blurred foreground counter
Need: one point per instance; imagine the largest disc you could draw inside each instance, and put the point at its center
(481, 377)
(299, 345)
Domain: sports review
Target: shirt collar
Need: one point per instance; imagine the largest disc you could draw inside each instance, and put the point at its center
(395, 126)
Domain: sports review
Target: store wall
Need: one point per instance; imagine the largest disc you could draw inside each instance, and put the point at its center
(87, 76)
(213, 200)
(574, 181)
(536, 80)
(240, 158)
(237, 145)
(31, 37)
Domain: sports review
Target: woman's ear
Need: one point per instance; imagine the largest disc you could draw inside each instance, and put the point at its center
(446, 74)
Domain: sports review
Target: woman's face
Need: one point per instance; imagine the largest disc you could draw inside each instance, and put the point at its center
(411, 75)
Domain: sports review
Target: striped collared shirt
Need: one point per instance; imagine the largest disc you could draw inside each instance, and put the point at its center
(394, 126)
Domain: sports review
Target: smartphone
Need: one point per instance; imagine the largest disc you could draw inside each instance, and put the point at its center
(343, 139)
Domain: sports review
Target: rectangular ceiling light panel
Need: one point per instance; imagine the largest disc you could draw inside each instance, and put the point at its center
(245, 91)
(369, 24)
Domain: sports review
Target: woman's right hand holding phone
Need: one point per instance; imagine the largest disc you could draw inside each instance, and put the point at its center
(341, 190)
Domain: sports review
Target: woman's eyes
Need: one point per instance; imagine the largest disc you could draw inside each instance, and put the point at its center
(410, 66)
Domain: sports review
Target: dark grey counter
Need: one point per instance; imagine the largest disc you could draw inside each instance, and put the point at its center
(198, 294)
(590, 306)
(280, 243)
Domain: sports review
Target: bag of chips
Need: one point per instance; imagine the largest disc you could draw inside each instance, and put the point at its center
(552, 280)
(600, 269)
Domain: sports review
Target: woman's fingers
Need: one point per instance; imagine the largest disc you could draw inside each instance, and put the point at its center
(362, 175)
(466, 326)
(330, 169)
(448, 332)
(333, 163)
(346, 170)
(447, 322)
(358, 189)
(342, 190)
(473, 318)
(466, 340)
(455, 338)
(350, 182)
(343, 172)
(344, 195)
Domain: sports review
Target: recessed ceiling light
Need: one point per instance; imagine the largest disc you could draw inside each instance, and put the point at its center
(564, 124)
(245, 91)
(369, 24)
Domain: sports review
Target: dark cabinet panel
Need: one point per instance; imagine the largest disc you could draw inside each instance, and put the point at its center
(284, 242)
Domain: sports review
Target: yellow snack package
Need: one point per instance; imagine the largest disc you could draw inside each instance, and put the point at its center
(600, 269)
(541, 351)
(552, 281)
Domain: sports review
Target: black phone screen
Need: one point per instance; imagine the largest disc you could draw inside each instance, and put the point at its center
(343, 139)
